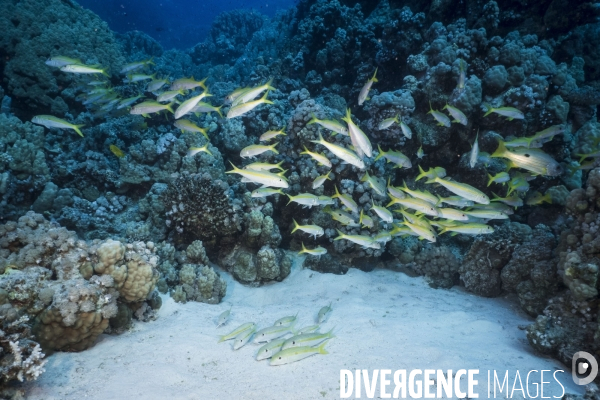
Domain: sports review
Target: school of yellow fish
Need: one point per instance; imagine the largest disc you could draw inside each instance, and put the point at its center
(279, 348)
(410, 212)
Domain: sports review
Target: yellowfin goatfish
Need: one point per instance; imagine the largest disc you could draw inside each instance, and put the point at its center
(61, 61)
(344, 154)
(474, 152)
(257, 149)
(365, 220)
(188, 84)
(441, 118)
(223, 317)
(318, 157)
(264, 192)
(305, 199)
(260, 177)
(267, 351)
(453, 214)
(243, 108)
(418, 194)
(203, 107)
(462, 75)
(469, 229)
(271, 332)
(547, 134)
(346, 200)
(406, 130)
(317, 251)
(455, 201)
(324, 313)
(386, 123)
(50, 122)
(83, 69)
(361, 240)
(169, 95)
(417, 205)
(313, 230)
(383, 237)
(116, 151)
(382, 212)
(340, 216)
(237, 331)
(536, 198)
(320, 180)
(524, 142)
(394, 156)
(296, 354)
(501, 177)
(192, 151)
(128, 102)
(595, 154)
(149, 107)
(364, 92)
(519, 184)
(463, 190)
(325, 200)
(251, 93)
(487, 214)
(360, 141)
(534, 160)
(422, 231)
(431, 173)
(268, 135)
(156, 84)
(234, 95)
(458, 115)
(330, 124)
(242, 339)
(137, 78)
(420, 153)
(135, 65)
(188, 126)
(509, 112)
(395, 191)
(187, 106)
(374, 183)
(259, 166)
(513, 201)
(307, 339)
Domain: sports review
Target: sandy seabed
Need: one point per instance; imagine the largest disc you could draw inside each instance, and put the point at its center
(382, 319)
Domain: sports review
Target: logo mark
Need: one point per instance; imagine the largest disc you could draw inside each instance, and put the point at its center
(584, 368)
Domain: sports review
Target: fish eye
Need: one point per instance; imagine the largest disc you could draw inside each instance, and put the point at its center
(280, 358)
(527, 155)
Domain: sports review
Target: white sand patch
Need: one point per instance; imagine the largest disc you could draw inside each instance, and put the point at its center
(382, 319)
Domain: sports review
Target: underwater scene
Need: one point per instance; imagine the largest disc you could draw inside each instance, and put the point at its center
(299, 199)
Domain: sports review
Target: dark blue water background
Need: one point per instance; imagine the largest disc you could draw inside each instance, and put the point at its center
(174, 23)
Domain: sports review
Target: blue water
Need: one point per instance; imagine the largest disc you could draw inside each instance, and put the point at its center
(174, 24)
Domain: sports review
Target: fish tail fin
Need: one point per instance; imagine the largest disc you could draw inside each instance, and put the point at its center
(321, 348)
(273, 149)
(169, 107)
(444, 230)
(292, 199)
(207, 150)
(341, 235)
(381, 153)
(264, 98)
(235, 169)
(500, 151)
(76, 128)
(305, 150)
(296, 226)
(337, 193)
(488, 108)
(303, 249)
(221, 339)
(313, 120)
(104, 71)
(202, 83)
(421, 174)
(583, 157)
(491, 179)
(268, 84)
(348, 117)
(327, 175)
(361, 217)
(365, 177)
(374, 78)
(218, 111)
(439, 200)
(547, 198)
